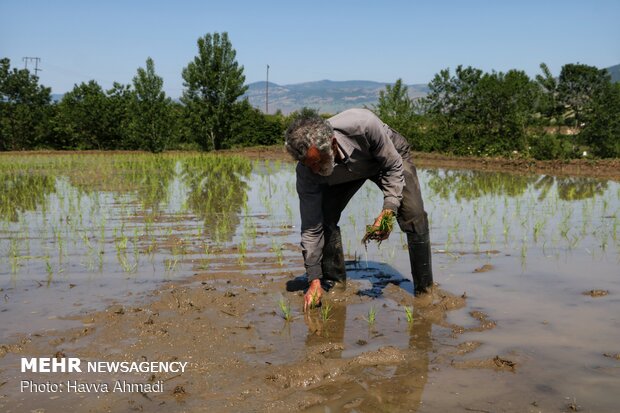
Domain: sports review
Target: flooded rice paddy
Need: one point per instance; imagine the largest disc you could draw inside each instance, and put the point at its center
(532, 263)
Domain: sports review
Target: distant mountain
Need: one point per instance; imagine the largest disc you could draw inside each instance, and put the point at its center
(329, 96)
(614, 71)
(326, 96)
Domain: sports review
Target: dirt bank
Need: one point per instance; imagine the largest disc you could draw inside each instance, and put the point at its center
(602, 168)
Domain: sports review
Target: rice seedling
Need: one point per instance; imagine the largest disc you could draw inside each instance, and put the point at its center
(170, 264)
(538, 227)
(285, 308)
(409, 314)
(326, 311)
(373, 233)
(277, 249)
(371, 316)
(126, 265)
(243, 246)
(49, 270)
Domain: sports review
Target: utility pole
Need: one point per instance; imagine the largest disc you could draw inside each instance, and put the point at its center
(36, 64)
(267, 93)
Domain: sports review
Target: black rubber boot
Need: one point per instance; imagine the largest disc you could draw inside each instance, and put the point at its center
(420, 258)
(333, 258)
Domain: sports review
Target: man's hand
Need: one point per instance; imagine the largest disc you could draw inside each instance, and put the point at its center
(313, 295)
(381, 229)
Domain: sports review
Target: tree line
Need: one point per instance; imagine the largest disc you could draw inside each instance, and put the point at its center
(467, 112)
(470, 112)
(139, 116)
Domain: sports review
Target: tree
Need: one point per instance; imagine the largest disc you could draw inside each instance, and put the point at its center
(548, 104)
(396, 108)
(117, 117)
(602, 124)
(81, 120)
(451, 95)
(577, 85)
(214, 81)
(151, 121)
(24, 109)
(476, 113)
(252, 127)
(503, 108)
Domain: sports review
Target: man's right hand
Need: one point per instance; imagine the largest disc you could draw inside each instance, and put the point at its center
(313, 295)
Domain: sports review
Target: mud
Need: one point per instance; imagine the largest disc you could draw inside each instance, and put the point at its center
(596, 293)
(599, 168)
(243, 355)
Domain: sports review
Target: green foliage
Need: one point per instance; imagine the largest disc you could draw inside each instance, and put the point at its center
(80, 118)
(303, 112)
(117, 117)
(396, 108)
(602, 123)
(151, 121)
(578, 85)
(89, 118)
(551, 146)
(214, 81)
(24, 109)
(476, 113)
(251, 127)
(466, 113)
(548, 102)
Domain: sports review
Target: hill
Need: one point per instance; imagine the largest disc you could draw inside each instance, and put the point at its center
(614, 71)
(327, 96)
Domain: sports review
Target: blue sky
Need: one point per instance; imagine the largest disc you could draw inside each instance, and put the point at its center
(107, 40)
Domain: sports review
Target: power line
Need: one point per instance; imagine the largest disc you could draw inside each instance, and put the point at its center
(36, 64)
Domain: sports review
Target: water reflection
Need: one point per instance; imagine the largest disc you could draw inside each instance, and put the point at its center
(217, 191)
(469, 185)
(148, 176)
(571, 188)
(23, 192)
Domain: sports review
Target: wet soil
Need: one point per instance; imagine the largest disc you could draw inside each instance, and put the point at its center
(243, 355)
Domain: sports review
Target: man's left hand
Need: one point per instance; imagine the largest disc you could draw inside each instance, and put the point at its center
(385, 234)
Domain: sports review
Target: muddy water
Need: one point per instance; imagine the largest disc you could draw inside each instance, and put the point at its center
(523, 251)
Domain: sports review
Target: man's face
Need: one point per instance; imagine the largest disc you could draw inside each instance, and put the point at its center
(320, 163)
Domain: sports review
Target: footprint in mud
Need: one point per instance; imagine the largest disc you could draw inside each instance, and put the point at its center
(596, 293)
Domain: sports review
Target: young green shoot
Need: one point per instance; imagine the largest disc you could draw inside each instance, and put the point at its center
(372, 315)
(326, 311)
(373, 233)
(285, 308)
(409, 314)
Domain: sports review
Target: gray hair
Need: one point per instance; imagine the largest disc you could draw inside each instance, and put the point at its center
(307, 130)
